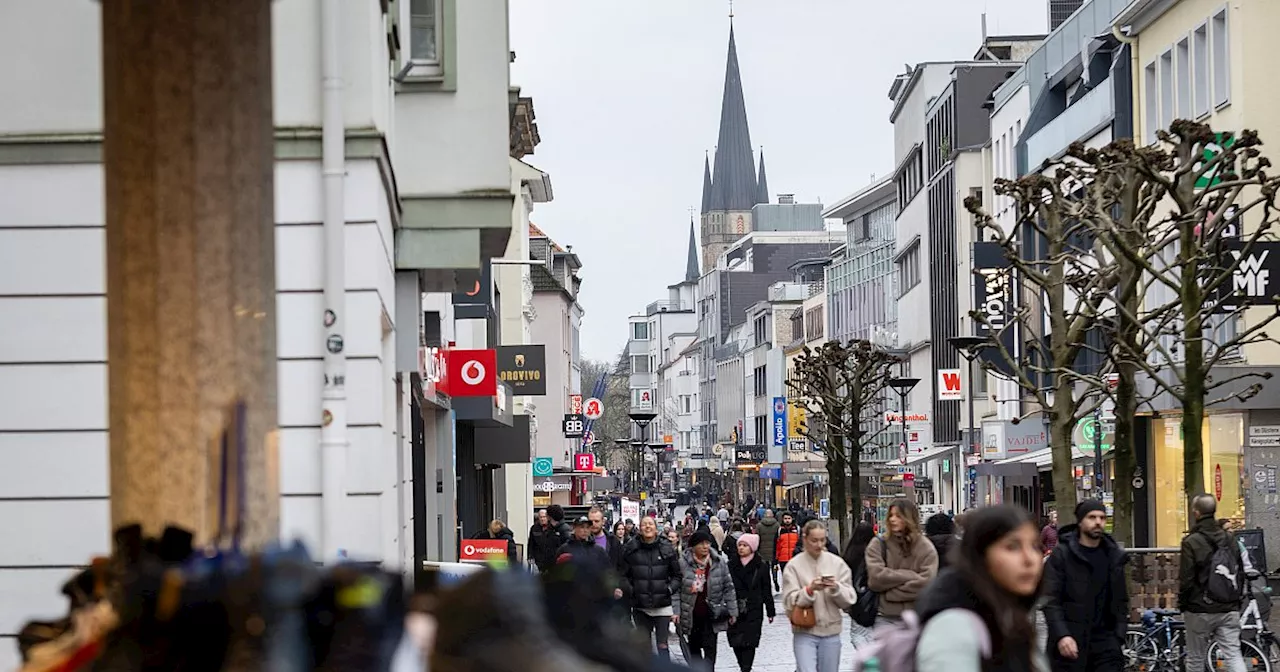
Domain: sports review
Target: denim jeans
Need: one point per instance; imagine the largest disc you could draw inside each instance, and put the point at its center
(816, 654)
(1221, 628)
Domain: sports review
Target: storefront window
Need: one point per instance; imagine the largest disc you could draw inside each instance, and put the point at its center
(1223, 473)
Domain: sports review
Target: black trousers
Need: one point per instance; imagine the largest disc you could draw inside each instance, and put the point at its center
(1105, 655)
(702, 641)
(746, 656)
(655, 627)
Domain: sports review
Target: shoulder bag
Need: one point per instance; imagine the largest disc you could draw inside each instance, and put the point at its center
(867, 607)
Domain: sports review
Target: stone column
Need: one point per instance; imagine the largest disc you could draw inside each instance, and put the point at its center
(189, 161)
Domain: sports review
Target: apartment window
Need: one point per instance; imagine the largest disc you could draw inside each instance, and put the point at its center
(636, 393)
(759, 382)
(424, 31)
(1151, 95)
(1220, 42)
(1166, 88)
(686, 402)
(909, 269)
(639, 331)
(1183, 62)
(641, 364)
(577, 345)
(760, 329)
(1200, 70)
(813, 322)
(762, 428)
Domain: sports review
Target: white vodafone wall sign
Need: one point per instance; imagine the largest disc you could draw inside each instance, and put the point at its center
(473, 372)
(949, 385)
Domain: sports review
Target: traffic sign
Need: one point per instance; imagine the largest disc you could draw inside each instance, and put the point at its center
(543, 466)
(593, 408)
(588, 438)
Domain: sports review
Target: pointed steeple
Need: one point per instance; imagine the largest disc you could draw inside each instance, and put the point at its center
(734, 178)
(691, 273)
(762, 185)
(706, 185)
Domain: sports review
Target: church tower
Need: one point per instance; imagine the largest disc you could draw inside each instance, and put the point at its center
(730, 187)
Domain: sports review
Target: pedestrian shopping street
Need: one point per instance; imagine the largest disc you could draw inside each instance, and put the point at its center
(774, 654)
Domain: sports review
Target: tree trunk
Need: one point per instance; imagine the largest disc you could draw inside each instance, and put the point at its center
(1193, 368)
(1061, 425)
(838, 474)
(1125, 455)
(854, 505)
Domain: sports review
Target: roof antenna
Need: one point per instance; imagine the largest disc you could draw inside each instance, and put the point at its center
(985, 52)
(730, 11)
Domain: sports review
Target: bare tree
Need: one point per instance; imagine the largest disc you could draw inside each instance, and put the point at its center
(842, 390)
(1205, 279)
(1063, 279)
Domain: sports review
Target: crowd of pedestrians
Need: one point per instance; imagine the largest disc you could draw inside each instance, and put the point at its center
(990, 590)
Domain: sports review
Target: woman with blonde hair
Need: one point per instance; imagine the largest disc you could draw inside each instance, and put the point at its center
(901, 563)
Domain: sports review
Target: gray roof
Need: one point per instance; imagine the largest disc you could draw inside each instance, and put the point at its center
(691, 273)
(762, 184)
(734, 183)
(706, 185)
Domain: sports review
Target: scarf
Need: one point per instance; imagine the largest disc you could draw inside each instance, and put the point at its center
(700, 570)
(752, 541)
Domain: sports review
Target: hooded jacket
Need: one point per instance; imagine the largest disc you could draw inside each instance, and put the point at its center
(767, 528)
(1069, 595)
(1198, 546)
(941, 531)
(951, 642)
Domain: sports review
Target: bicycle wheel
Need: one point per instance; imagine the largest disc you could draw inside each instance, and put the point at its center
(1161, 650)
(1255, 659)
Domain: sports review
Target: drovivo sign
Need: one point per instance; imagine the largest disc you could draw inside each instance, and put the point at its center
(779, 422)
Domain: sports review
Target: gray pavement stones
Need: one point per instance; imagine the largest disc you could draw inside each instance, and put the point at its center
(774, 654)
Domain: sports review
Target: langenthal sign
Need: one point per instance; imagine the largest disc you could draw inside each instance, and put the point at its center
(524, 368)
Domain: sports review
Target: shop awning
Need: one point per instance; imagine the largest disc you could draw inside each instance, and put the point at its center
(930, 454)
(1023, 464)
(793, 486)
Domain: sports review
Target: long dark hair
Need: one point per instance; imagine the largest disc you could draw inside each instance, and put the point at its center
(1007, 614)
(855, 552)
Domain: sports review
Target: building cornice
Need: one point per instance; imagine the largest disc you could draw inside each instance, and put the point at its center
(1142, 13)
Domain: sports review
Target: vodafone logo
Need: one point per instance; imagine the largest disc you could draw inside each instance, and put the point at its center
(482, 550)
(469, 549)
(473, 372)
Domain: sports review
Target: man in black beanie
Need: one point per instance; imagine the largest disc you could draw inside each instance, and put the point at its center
(1087, 607)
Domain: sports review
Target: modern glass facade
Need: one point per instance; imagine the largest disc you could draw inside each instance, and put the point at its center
(862, 287)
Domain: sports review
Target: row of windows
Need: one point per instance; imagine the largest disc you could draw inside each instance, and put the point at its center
(910, 179)
(909, 269)
(759, 381)
(1190, 78)
(814, 323)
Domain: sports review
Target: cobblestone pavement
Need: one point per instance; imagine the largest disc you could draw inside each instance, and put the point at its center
(774, 654)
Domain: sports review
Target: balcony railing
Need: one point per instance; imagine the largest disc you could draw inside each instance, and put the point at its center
(661, 307)
(1077, 122)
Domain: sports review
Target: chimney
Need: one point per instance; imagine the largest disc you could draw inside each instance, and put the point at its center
(786, 199)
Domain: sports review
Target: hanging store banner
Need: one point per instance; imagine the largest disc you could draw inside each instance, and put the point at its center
(995, 298)
(795, 419)
(524, 368)
(779, 422)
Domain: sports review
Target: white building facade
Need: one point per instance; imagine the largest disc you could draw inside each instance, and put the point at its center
(399, 241)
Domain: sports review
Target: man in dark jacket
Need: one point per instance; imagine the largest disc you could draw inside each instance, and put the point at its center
(767, 529)
(941, 531)
(1087, 602)
(1208, 619)
(544, 539)
(498, 530)
(609, 542)
(563, 527)
(649, 575)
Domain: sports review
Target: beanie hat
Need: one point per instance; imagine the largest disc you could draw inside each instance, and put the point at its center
(1087, 507)
(752, 540)
(701, 536)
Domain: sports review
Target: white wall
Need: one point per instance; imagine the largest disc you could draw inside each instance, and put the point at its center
(53, 394)
(549, 325)
(469, 126)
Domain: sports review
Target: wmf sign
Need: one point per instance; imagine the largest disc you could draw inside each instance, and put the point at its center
(1255, 269)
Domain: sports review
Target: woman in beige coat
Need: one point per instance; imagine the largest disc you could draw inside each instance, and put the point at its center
(901, 563)
(822, 581)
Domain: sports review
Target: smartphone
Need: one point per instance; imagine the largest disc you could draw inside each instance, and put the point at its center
(828, 579)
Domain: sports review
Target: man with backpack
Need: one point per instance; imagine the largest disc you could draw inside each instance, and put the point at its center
(1211, 584)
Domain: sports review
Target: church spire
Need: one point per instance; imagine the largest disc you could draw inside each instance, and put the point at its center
(733, 183)
(691, 273)
(762, 185)
(706, 184)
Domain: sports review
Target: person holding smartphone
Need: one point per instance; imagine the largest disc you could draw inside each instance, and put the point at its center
(819, 580)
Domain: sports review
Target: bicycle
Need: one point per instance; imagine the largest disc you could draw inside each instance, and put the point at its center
(1159, 644)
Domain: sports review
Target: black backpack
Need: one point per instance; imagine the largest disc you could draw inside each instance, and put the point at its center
(1223, 575)
(864, 611)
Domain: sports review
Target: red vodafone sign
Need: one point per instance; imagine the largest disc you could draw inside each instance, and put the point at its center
(471, 373)
(483, 550)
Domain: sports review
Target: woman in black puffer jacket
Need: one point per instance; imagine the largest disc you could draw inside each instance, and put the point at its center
(650, 574)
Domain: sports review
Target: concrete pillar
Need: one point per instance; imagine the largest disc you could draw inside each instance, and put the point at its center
(188, 153)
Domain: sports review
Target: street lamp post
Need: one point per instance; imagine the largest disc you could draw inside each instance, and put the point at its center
(642, 420)
(968, 347)
(903, 387)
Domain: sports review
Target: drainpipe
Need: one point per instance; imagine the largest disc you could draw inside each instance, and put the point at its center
(333, 399)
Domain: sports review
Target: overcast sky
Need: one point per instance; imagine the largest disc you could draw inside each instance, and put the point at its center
(627, 96)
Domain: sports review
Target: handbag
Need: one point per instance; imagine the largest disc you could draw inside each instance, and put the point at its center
(867, 607)
(803, 617)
